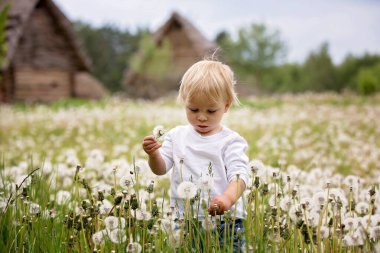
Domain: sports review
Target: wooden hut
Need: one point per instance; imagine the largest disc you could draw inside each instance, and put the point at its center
(187, 46)
(44, 60)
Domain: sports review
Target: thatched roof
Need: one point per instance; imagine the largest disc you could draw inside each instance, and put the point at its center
(19, 16)
(201, 44)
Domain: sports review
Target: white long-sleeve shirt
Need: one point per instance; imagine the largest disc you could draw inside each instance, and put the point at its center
(225, 150)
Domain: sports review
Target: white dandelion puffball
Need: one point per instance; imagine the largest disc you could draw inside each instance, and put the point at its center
(3, 204)
(256, 165)
(142, 215)
(105, 207)
(118, 236)
(34, 208)
(63, 197)
(374, 233)
(159, 132)
(134, 247)
(126, 181)
(205, 183)
(187, 190)
(113, 222)
(98, 237)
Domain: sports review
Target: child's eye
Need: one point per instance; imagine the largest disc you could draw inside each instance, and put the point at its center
(193, 110)
(211, 111)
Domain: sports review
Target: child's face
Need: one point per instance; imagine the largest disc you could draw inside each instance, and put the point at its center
(205, 116)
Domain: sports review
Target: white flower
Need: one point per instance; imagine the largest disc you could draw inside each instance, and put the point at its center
(350, 223)
(352, 181)
(187, 190)
(134, 247)
(312, 218)
(325, 232)
(296, 213)
(98, 237)
(319, 198)
(347, 240)
(374, 233)
(113, 222)
(205, 183)
(286, 203)
(34, 208)
(362, 208)
(255, 166)
(167, 225)
(105, 207)
(126, 181)
(375, 220)
(63, 197)
(118, 236)
(143, 215)
(3, 204)
(357, 238)
(159, 133)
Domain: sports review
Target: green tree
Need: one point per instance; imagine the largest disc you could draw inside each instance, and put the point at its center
(254, 53)
(3, 39)
(110, 50)
(368, 80)
(152, 60)
(318, 72)
(348, 70)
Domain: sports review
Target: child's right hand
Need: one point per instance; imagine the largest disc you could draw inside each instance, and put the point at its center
(150, 144)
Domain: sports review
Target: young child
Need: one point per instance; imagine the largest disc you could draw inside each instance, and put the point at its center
(207, 92)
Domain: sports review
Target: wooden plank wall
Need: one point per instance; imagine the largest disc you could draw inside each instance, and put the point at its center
(41, 85)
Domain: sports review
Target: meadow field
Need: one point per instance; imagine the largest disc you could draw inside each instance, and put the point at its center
(74, 177)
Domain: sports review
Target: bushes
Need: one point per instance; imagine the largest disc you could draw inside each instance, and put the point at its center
(368, 80)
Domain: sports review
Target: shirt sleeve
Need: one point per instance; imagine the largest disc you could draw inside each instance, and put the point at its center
(166, 150)
(236, 160)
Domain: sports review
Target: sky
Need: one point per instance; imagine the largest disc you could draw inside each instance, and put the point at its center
(349, 26)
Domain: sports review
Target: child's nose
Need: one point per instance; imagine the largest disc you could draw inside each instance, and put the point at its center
(202, 117)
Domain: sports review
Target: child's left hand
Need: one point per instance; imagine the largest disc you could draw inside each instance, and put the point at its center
(219, 205)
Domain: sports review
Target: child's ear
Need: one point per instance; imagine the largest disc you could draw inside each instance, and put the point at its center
(228, 104)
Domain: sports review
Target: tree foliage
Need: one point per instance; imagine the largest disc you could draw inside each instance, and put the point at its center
(3, 42)
(257, 56)
(110, 50)
(254, 52)
(152, 60)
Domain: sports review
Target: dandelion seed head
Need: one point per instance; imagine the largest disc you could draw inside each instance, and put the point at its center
(351, 223)
(374, 233)
(362, 208)
(187, 190)
(98, 237)
(134, 247)
(105, 207)
(143, 215)
(34, 208)
(325, 232)
(205, 183)
(255, 166)
(118, 236)
(159, 133)
(285, 203)
(63, 197)
(113, 222)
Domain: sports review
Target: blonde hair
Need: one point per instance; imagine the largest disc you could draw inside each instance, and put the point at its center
(211, 78)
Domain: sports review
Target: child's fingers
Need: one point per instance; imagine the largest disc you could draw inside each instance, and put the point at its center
(150, 148)
(215, 208)
(150, 138)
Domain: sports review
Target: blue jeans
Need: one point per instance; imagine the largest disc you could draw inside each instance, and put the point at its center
(238, 243)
